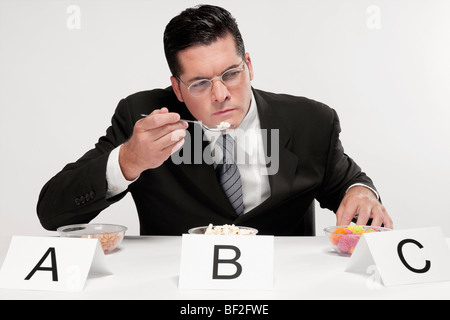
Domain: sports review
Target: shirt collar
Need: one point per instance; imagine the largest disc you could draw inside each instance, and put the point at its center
(250, 117)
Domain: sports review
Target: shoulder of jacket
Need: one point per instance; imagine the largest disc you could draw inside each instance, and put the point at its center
(146, 101)
(296, 105)
(151, 95)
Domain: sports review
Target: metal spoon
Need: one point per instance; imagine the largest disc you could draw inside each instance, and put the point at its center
(211, 128)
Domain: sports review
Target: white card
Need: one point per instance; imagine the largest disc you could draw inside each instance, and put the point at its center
(226, 262)
(404, 256)
(51, 263)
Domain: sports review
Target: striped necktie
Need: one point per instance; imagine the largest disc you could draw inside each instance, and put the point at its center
(228, 174)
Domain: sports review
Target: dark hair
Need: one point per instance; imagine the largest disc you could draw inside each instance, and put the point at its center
(200, 25)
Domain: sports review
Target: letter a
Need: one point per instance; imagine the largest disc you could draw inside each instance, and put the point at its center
(53, 268)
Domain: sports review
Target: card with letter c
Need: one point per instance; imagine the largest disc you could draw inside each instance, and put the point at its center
(404, 256)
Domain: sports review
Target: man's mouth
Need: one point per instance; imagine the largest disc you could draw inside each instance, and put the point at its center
(223, 112)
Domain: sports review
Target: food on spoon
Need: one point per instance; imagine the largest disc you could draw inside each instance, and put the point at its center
(224, 125)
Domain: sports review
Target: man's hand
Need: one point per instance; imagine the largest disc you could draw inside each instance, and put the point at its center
(155, 138)
(363, 202)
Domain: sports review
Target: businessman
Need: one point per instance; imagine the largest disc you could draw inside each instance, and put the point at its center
(279, 153)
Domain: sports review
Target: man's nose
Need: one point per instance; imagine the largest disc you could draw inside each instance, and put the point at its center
(219, 91)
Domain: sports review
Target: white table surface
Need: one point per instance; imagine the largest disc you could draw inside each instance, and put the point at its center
(304, 268)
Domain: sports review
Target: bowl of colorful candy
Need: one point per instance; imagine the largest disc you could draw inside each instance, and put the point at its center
(343, 239)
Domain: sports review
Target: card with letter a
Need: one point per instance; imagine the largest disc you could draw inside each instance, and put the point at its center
(51, 263)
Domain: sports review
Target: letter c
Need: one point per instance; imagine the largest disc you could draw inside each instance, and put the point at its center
(402, 258)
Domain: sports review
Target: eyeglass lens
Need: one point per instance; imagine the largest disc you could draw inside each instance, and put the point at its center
(229, 78)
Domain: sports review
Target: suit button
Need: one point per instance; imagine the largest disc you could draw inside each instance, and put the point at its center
(84, 198)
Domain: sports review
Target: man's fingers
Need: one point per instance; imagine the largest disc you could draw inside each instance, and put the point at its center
(364, 213)
(377, 213)
(160, 124)
(378, 217)
(175, 147)
(387, 221)
(359, 201)
(172, 138)
(157, 119)
(170, 144)
(158, 111)
(173, 131)
(345, 213)
(339, 214)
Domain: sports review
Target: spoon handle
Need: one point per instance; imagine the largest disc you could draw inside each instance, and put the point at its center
(192, 121)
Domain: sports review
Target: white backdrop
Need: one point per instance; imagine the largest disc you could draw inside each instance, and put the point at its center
(383, 65)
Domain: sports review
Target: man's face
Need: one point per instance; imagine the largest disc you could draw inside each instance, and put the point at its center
(220, 103)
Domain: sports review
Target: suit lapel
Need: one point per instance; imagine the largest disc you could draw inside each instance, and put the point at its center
(281, 181)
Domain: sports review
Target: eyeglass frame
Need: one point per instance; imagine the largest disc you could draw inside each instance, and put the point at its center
(211, 81)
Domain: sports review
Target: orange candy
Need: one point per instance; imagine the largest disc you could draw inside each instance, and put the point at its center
(334, 238)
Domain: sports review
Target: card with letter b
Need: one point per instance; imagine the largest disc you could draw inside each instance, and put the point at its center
(226, 262)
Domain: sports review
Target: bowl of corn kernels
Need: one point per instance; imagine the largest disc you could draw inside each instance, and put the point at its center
(109, 235)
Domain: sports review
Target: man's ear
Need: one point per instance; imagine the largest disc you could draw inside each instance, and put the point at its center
(176, 88)
(248, 61)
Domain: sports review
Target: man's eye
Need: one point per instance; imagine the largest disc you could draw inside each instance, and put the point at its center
(200, 84)
(230, 75)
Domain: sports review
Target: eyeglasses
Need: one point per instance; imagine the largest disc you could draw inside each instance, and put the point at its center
(229, 78)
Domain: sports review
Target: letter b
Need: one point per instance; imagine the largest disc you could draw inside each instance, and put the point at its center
(233, 261)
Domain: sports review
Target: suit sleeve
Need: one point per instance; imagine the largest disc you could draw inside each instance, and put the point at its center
(77, 194)
(340, 173)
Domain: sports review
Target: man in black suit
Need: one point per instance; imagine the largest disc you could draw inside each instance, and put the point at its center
(289, 146)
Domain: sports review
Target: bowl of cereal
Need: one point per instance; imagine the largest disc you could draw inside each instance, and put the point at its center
(343, 239)
(225, 229)
(109, 235)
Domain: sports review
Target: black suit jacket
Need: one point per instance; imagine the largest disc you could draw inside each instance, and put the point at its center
(175, 197)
